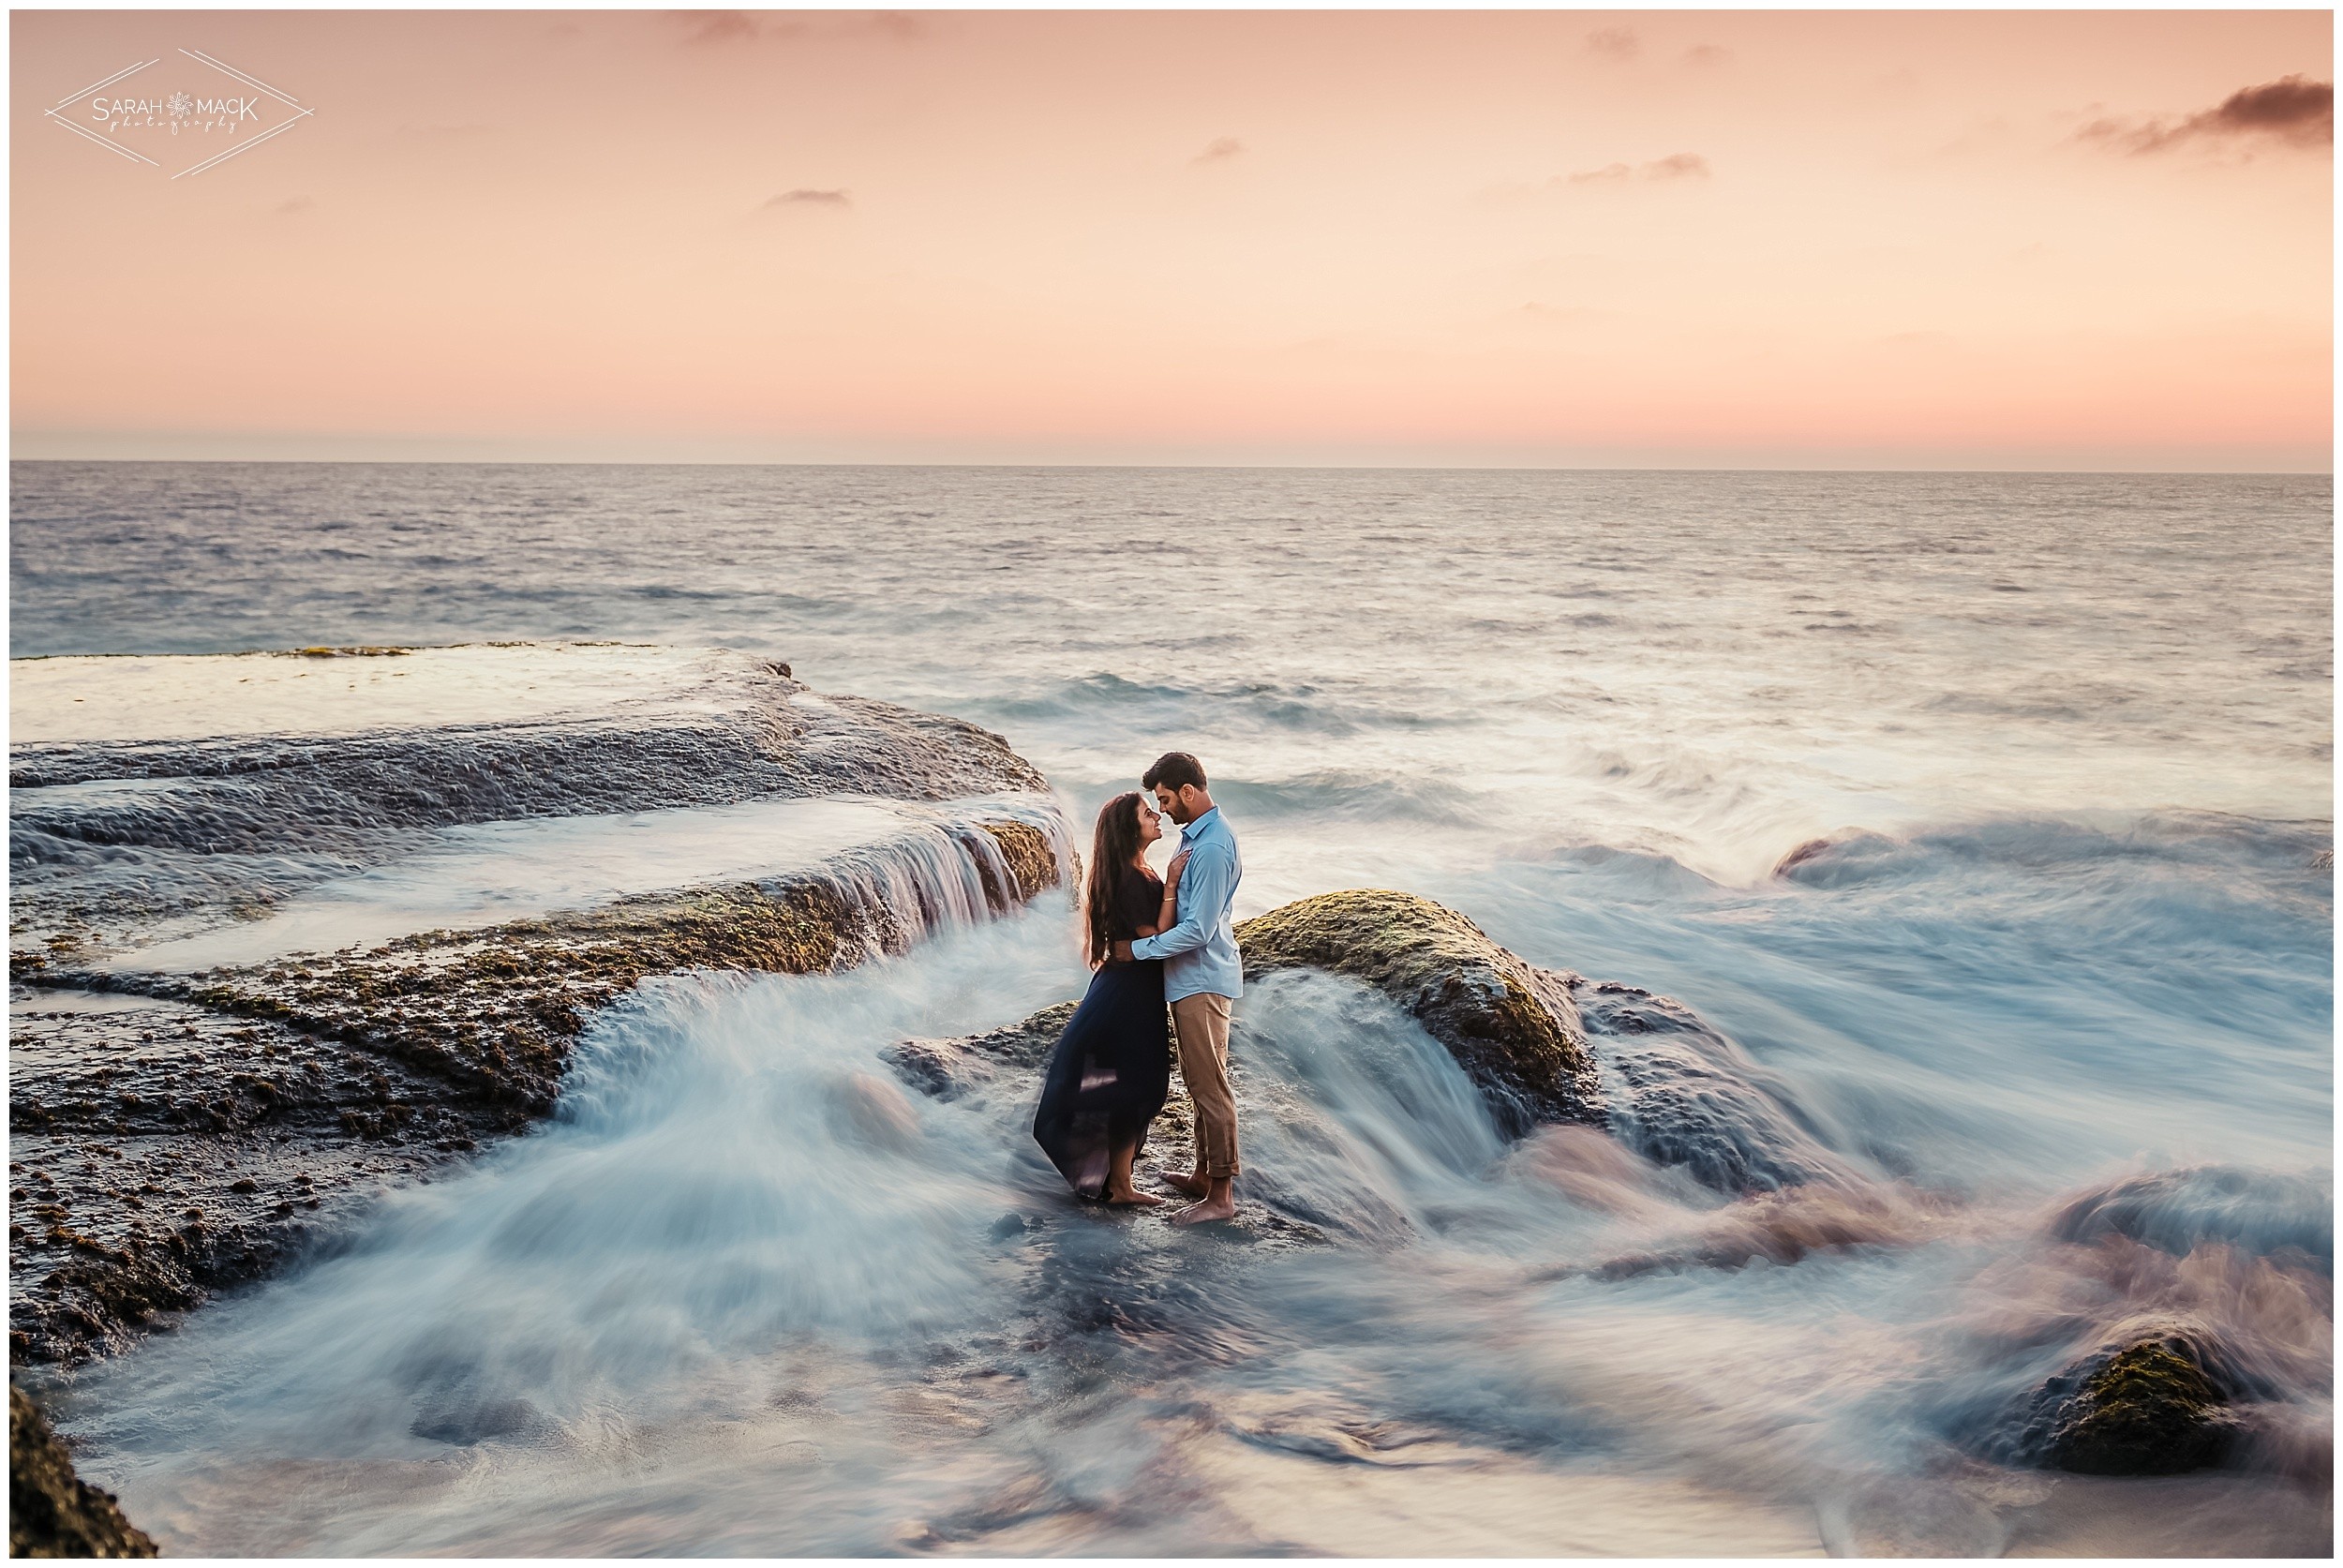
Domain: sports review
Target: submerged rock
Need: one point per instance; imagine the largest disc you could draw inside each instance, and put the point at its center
(2151, 1405)
(1513, 1029)
(949, 1068)
(2262, 1213)
(2159, 1321)
(52, 1511)
(1683, 1095)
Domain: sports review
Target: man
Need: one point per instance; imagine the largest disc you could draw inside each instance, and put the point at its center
(1203, 975)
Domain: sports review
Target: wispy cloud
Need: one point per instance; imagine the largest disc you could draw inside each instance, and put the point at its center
(714, 27)
(2293, 111)
(1614, 43)
(1707, 54)
(1676, 165)
(1221, 149)
(719, 28)
(805, 196)
(296, 206)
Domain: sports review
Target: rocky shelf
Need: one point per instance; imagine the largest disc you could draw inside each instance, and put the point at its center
(178, 1131)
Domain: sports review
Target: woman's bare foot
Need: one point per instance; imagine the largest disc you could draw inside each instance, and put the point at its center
(1120, 1192)
(1194, 1184)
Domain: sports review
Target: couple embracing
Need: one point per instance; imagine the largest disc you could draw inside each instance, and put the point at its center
(1150, 942)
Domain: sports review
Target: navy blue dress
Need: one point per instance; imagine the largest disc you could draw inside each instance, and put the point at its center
(1111, 1071)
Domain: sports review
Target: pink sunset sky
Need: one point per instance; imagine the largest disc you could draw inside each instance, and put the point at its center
(2095, 240)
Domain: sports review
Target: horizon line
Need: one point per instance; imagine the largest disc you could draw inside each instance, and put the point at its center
(2327, 472)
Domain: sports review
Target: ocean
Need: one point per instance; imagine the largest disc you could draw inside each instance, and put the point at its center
(2067, 738)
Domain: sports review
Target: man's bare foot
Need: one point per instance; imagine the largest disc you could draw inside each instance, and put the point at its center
(1222, 1207)
(1131, 1199)
(1195, 1184)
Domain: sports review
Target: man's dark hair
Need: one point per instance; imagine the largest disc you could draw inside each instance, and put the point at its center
(1174, 770)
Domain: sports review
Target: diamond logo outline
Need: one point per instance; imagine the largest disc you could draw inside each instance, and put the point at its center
(300, 112)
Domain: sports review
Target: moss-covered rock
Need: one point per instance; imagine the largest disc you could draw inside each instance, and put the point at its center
(52, 1511)
(2151, 1405)
(1032, 860)
(1512, 1027)
(495, 1010)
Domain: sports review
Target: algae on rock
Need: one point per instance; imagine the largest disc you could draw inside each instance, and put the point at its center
(1513, 1029)
(2148, 1405)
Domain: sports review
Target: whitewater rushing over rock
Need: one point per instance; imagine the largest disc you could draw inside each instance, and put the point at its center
(289, 930)
(772, 1261)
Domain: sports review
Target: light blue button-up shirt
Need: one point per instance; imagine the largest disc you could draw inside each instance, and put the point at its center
(1200, 950)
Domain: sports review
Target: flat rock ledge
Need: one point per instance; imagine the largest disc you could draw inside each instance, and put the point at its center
(387, 744)
(1515, 1029)
(175, 1135)
(52, 1511)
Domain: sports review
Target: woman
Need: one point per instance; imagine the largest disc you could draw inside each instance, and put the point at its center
(1111, 1071)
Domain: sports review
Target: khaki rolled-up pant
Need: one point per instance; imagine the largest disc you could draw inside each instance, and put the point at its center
(1201, 1023)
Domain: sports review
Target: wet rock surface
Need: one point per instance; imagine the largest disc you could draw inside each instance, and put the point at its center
(160, 1151)
(493, 1010)
(1515, 1029)
(2160, 1323)
(2260, 1213)
(2155, 1404)
(52, 1511)
(1550, 1046)
(950, 1068)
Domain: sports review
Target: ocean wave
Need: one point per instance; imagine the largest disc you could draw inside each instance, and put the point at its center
(2258, 1212)
(1967, 1000)
(1363, 797)
(2210, 840)
(1122, 705)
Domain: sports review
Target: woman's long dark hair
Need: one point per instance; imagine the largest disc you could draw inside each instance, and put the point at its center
(1113, 849)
